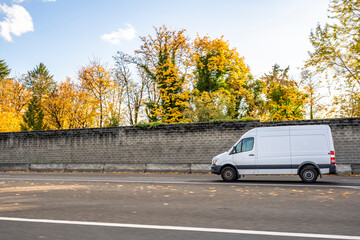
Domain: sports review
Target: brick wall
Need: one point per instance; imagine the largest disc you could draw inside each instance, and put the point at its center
(186, 144)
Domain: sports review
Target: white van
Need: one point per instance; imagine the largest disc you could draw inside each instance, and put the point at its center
(307, 151)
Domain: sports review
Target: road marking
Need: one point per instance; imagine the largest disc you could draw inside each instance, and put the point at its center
(180, 228)
(179, 182)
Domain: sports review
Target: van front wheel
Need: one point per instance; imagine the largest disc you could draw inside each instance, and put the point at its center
(228, 174)
(308, 174)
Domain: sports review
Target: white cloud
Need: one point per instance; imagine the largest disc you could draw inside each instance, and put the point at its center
(17, 21)
(115, 37)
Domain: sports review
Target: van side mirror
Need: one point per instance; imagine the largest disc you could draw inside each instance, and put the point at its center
(233, 150)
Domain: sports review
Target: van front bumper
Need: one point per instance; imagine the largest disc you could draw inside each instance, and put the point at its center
(215, 169)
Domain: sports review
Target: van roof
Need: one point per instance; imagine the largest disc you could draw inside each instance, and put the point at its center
(285, 128)
(294, 127)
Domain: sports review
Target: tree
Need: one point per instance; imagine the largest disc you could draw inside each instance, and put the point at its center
(284, 99)
(134, 92)
(59, 105)
(4, 70)
(165, 60)
(311, 86)
(209, 106)
(96, 80)
(83, 109)
(347, 102)
(253, 103)
(13, 99)
(217, 66)
(34, 116)
(40, 82)
(337, 51)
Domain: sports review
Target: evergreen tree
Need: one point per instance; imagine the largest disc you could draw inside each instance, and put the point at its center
(39, 81)
(34, 116)
(4, 69)
(41, 84)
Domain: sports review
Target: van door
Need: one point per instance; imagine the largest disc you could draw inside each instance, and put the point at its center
(309, 144)
(244, 156)
(274, 151)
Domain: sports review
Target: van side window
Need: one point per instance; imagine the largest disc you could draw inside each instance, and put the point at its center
(245, 145)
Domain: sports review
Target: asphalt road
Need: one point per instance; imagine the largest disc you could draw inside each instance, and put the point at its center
(176, 206)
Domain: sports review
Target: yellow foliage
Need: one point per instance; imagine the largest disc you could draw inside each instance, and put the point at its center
(96, 81)
(13, 99)
(165, 59)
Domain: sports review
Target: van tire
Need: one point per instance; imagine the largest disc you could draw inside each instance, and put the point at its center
(229, 174)
(308, 174)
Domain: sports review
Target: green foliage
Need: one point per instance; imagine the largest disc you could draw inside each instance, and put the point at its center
(208, 79)
(284, 99)
(218, 68)
(113, 122)
(151, 125)
(252, 105)
(245, 119)
(39, 81)
(337, 45)
(4, 69)
(207, 106)
(34, 116)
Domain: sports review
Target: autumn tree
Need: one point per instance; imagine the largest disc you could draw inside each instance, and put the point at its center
(336, 52)
(347, 102)
(114, 105)
(164, 58)
(219, 67)
(83, 109)
(284, 99)
(13, 100)
(96, 80)
(59, 104)
(207, 106)
(253, 104)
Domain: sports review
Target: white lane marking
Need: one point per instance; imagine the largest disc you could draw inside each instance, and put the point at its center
(180, 228)
(179, 182)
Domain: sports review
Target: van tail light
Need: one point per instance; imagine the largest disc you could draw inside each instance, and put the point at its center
(332, 157)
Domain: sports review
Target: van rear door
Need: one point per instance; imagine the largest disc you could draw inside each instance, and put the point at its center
(310, 144)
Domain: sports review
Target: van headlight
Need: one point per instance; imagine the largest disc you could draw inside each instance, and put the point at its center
(215, 161)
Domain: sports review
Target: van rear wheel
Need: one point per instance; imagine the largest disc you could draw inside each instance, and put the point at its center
(308, 174)
(228, 174)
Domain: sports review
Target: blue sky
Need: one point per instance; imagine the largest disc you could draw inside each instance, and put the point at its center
(66, 34)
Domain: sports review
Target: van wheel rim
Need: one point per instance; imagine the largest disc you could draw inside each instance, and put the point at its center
(228, 174)
(309, 175)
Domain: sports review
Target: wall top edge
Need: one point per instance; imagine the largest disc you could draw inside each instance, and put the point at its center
(187, 126)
